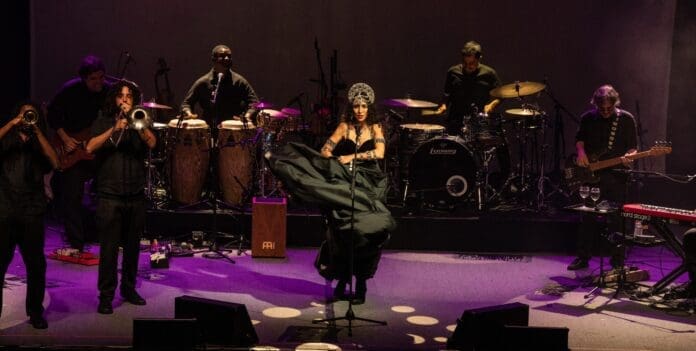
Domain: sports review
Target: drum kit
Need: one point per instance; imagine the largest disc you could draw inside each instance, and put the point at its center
(432, 169)
(178, 166)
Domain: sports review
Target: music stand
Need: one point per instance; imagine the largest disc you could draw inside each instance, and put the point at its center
(350, 315)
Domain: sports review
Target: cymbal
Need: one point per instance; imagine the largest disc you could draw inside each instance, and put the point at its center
(430, 113)
(291, 111)
(522, 112)
(409, 103)
(262, 105)
(517, 89)
(273, 113)
(153, 104)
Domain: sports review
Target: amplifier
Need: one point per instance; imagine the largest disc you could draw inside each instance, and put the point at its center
(268, 227)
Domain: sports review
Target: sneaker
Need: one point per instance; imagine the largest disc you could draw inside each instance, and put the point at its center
(38, 322)
(578, 263)
(105, 307)
(133, 297)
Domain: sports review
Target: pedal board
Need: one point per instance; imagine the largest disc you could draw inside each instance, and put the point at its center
(74, 256)
(633, 274)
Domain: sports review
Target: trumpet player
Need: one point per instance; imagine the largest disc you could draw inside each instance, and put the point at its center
(120, 147)
(25, 156)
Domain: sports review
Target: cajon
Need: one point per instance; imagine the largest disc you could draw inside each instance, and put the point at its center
(268, 227)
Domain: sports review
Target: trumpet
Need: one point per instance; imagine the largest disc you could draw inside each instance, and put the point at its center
(139, 118)
(30, 117)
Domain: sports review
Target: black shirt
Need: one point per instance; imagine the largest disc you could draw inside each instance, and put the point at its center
(120, 169)
(463, 89)
(234, 96)
(22, 167)
(75, 108)
(595, 131)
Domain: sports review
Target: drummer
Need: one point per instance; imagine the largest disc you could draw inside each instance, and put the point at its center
(467, 93)
(467, 88)
(221, 93)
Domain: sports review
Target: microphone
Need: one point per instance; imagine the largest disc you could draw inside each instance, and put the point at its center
(295, 99)
(395, 114)
(217, 88)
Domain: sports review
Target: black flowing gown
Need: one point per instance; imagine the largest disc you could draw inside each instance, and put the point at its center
(326, 183)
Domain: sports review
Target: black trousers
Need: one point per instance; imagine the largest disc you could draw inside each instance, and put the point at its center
(27, 232)
(71, 188)
(120, 222)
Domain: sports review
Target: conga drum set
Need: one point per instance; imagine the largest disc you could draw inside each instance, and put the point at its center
(179, 165)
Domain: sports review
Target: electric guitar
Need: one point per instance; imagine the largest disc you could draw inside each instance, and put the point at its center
(68, 159)
(575, 176)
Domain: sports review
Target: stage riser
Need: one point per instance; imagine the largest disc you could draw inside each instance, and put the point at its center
(489, 234)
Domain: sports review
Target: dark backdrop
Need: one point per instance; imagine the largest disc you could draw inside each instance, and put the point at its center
(399, 47)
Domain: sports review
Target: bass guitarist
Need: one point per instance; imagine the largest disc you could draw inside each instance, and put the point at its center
(605, 131)
(71, 114)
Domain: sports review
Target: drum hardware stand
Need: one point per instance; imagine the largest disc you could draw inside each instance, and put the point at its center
(350, 315)
(543, 179)
(482, 185)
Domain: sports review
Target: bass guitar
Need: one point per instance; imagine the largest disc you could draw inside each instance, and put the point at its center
(575, 176)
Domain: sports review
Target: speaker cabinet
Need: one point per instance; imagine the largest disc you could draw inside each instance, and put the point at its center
(220, 323)
(160, 334)
(268, 227)
(477, 329)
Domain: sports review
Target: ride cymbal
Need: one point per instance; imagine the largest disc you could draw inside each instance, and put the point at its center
(409, 103)
(517, 89)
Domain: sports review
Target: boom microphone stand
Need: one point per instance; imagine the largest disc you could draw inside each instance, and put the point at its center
(350, 315)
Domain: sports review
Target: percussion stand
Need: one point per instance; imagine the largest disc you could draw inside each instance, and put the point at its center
(482, 185)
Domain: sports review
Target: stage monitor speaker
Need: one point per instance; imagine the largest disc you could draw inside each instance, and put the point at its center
(220, 323)
(160, 334)
(534, 338)
(268, 227)
(478, 328)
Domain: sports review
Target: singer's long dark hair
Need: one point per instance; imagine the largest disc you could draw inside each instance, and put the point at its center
(110, 107)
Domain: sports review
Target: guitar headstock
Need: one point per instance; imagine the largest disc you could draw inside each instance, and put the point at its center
(661, 147)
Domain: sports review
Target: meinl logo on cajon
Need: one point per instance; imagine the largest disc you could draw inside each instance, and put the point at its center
(268, 226)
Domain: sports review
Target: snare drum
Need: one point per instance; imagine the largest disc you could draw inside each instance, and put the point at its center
(412, 136)
(236, 160)
(443, 171)
(485, 130)
(189, 146)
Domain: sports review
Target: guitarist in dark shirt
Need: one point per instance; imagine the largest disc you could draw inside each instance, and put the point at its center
(605, 132)
(71, 114)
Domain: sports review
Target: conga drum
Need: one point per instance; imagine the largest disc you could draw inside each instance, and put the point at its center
(189, 155)
(237, 146)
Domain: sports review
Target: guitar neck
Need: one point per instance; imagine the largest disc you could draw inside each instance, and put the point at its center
(595, 166)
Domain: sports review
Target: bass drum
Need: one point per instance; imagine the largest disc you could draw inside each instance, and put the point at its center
(442, 171)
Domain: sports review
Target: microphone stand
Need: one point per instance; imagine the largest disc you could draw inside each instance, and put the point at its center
(214, 251)
(350, 315)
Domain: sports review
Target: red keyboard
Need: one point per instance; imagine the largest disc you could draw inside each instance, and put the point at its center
(646, 212)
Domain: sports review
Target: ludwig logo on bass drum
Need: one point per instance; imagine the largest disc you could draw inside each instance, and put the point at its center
(442, 151)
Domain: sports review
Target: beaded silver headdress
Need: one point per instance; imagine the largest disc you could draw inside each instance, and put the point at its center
(361, 91)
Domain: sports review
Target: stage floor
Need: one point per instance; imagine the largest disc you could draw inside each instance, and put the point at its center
(419, 294)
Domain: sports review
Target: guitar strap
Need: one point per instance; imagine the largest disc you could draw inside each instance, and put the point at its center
(612, 132)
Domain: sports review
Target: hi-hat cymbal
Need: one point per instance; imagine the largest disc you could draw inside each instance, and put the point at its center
(522, 112)
(155, 105)
(409, 103)
(291, 111)
(517, 89)
(262, 105)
